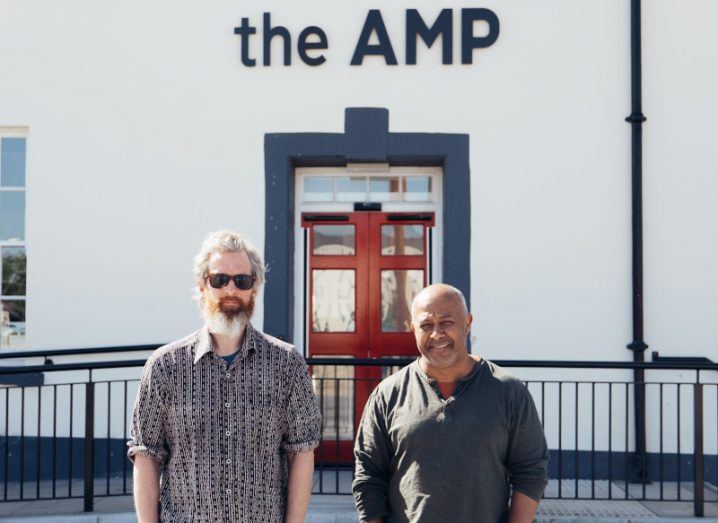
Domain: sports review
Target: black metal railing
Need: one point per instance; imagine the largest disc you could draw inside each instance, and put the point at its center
(65, 438)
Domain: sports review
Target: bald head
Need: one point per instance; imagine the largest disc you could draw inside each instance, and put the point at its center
(438, 292)
(441, 324)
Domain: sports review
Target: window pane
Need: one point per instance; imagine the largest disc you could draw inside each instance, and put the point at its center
(384, 189)
(318, 189)
(417, 188)
(13, 271)
(402, 240)
(333, 302)
(12, 323)
(351, 189)
(333, 240)
(398, 288)
(332, 382)
(12, 215)
(12, 162)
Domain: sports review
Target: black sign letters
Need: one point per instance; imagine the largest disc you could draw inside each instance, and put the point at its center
(314, 39)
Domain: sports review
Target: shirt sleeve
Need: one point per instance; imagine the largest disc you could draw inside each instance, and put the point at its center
(372, 455)
(528, 453)
(147, 430)
(304, 421)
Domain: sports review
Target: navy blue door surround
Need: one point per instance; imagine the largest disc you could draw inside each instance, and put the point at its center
(366, 139)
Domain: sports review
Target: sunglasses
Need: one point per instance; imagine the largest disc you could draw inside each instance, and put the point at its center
(243, 282)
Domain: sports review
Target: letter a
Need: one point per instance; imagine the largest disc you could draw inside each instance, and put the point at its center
(374, 22)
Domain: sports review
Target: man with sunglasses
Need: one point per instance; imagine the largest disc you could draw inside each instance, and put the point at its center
(225, 420)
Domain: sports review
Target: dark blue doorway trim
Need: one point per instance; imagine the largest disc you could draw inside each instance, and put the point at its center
(366, 139)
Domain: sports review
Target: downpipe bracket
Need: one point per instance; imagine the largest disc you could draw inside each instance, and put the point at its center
(636, 118)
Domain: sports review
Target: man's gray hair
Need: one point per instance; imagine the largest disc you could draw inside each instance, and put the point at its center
(227, 241)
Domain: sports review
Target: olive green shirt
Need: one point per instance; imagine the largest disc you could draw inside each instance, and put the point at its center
(422, 458)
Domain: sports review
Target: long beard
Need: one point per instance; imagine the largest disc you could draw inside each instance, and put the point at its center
(227, 319)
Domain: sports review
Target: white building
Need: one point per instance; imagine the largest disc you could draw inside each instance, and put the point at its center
(129, 131)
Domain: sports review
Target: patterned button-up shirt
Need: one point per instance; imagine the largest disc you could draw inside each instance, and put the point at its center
(221, 434)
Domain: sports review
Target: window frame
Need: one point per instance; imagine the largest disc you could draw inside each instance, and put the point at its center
(15, 132)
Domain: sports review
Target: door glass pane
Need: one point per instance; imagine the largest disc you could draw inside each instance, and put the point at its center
(333, 303)
(333, 240)
(13, 271)
(12, 166)
(384, 189)
(417, 188)
(12, 323)
(318, 189)
(351, 189)
(402, 240)
(12, 215)
(398, 288)
(334, 387)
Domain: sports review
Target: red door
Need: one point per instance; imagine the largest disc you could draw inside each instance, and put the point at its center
(363, 271)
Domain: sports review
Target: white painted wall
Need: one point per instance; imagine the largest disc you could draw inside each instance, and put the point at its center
(681, 178)
(146, 132)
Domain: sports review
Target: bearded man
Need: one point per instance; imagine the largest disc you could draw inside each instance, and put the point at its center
(225, 420)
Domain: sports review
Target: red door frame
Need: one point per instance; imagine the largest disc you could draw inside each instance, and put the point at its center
(367, 340)
(340, 343)
(381, 343)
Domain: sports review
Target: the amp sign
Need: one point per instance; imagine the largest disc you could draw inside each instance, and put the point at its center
(374, 38)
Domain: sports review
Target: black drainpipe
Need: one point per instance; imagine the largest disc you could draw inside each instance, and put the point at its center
(638, 345)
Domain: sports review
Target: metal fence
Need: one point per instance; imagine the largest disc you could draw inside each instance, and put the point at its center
(64, 436)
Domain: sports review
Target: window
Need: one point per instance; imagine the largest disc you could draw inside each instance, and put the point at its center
(13, 268)
(375, 188)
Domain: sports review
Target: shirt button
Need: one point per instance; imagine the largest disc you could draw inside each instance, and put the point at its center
(226, 405)
(228, 375)
(228, 433)
(229, 491)
(229, 461)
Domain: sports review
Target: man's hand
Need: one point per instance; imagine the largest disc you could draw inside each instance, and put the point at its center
(147, 489)
(299, 490)
(523, 508)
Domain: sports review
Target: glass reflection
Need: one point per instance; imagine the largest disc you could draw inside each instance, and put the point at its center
(12, 162)
(12, 215)
(417, 188)
(12, 323)
(14, 266)
(351, 189)
(333, 240)
(402, 240)
(318, 189)
(398, 288)
(384, 189)
(334, 387)
(333, 303)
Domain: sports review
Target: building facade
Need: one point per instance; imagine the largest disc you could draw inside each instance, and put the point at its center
(368, 152)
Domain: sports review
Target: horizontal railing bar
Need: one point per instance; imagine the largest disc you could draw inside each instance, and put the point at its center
(575, 364)
(387, 362)
(45, 353)
(72, 366)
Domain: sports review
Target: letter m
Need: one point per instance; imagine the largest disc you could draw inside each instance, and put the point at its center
(416, 28)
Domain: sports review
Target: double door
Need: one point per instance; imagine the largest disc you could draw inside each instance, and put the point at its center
(363, 271)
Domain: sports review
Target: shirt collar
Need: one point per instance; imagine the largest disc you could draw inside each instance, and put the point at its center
(205, 345)
(470, 376)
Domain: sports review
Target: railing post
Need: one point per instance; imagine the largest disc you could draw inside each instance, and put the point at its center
(698, 450)
(89, 445)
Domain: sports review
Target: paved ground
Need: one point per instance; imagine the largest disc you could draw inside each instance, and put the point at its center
(623, 507)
